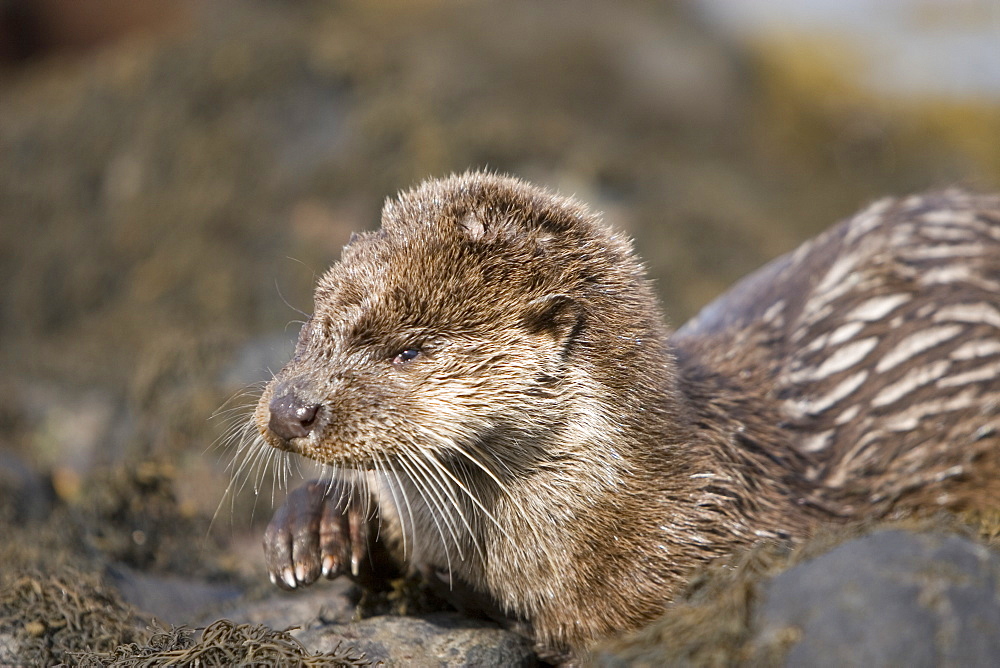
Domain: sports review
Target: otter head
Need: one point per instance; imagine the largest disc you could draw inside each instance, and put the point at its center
(478, 324)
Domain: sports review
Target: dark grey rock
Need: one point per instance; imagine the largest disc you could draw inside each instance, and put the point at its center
(440, 639)
(889, 598)
(322, 603)
(323, 614)
(171, 599)
(10, 650)
(25, 494)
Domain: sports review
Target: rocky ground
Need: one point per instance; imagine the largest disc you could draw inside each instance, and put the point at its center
(168, 195)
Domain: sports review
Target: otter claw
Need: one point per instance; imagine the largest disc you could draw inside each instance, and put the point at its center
(318, 531)
(321, 530)
(328, 566)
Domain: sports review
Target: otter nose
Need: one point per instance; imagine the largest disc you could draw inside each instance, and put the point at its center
(291, 417)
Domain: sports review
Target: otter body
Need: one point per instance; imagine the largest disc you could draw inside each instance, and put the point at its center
(490, 380)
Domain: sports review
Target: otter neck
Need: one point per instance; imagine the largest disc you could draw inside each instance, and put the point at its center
(646, 482)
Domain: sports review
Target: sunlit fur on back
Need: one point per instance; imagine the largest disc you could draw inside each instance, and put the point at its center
(882, 342)
(552, 445)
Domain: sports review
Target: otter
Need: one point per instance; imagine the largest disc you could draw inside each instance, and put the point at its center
(501, 406)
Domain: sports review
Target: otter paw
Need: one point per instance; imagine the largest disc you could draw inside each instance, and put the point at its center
(320, 530)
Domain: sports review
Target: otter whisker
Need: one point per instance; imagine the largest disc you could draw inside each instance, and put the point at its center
(371, 496)
(252, 462)
(251, 459)
(278, 462)
(286, 468)
(323, 474)
(456, 505)
(240, 459)
(381, 466)
(298, 469)
(334, 476)
(351, 485)
(231, 466)
(453, 447)
(434, 503)
(442, 504)
(368, 477)
(241, 431)
(434, 510)
(472, 497)
(362, 480)
(237, 419)
(234, 417)
(262, 469)
(240, 419)
(272, 461)
(453, 501)
(496, 457)
(449, 446)
(406, 498)
(280, 466)
(251, 447)
(517, 503)
(251, 391)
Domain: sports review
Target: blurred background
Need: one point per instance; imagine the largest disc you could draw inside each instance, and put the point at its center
(175, 175)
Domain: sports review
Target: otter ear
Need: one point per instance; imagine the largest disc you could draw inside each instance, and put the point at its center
(559, 316)
(473, 225)
(480, 224)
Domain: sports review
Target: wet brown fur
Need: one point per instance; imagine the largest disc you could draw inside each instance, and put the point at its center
(554, 445)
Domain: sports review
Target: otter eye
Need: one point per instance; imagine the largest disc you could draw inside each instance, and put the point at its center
(405, 356)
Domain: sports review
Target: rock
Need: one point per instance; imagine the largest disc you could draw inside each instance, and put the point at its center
(324, 617)
(441, 638)
(169, 598)
(322, 603)
(10, 649)
(26, 495)
(889, 598)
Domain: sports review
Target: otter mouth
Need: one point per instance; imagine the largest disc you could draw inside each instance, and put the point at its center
(283, 433)
(277, 442)
(303, 447)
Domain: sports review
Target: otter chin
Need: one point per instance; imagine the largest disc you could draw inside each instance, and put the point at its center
(490, 380)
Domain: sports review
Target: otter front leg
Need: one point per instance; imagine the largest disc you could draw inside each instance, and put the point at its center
(327, 530)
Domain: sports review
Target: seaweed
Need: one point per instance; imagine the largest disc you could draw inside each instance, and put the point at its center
(221, 643)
